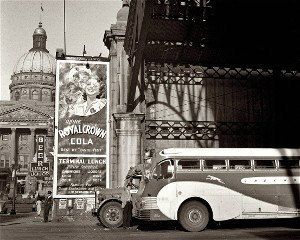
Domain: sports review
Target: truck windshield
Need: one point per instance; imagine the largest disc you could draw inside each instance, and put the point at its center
(164, 170)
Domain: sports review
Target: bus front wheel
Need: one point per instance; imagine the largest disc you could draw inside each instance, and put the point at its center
(193, 216)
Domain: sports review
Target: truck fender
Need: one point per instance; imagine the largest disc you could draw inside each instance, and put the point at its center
(107, 200)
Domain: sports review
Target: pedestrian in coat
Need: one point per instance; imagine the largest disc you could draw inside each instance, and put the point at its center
(47, 205)
(38, 205)
(127, 207)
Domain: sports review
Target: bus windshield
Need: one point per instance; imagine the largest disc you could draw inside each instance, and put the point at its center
(164, 169)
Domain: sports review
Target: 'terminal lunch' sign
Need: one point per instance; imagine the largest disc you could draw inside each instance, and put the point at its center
(80, 175)
(81, 121)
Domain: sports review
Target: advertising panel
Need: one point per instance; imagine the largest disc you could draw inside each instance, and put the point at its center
(81, 117)
(40, 168)
(40, 148)
(81, 127)
(80, 175)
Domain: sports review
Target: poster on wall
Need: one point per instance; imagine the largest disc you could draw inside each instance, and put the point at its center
(62, 204)
(90, 204)
(79, 203)
(81, 112)
(81, 127)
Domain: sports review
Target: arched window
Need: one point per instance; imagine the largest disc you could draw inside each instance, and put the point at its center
(24, 94)
(17, 96)
(46, 95)
(35, 95)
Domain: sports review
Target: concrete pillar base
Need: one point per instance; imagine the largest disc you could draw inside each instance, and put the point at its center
(129, 138)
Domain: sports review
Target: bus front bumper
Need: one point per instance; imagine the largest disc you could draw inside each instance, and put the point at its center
(151, 215)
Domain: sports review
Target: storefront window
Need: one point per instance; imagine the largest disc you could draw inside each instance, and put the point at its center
(4, 161)
(5, 137)
(23, 161)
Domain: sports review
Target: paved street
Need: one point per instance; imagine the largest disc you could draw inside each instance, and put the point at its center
(29, 227)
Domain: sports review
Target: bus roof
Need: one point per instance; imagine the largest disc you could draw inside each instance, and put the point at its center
(230, 152)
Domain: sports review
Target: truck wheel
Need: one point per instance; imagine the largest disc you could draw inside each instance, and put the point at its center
(111, 215)
(193, 216)
(98, 217)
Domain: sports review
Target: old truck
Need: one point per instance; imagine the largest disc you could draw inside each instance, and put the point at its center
(108, 204)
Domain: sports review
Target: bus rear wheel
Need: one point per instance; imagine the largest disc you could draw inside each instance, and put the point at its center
(194, 216)
(111, 215)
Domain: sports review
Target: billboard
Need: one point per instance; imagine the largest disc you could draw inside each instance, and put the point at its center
(80, 175)
(81, 127)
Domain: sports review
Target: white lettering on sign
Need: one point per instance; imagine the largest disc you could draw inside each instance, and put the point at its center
(79, 129)
(81, 141)
(72, 161)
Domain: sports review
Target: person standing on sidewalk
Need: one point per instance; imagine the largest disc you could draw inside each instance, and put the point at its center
(47, 205)
(127, 206)
(38, 205)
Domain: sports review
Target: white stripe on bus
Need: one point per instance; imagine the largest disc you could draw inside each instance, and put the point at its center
(271, 180)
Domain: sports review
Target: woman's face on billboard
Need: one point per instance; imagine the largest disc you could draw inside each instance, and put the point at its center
(92, 87)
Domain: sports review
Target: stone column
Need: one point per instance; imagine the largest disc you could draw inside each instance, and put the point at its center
(32, 141)
(114, 41)
(13, 157)
(13, 146)
(129, 132)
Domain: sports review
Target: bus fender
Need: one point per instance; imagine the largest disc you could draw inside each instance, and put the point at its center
(225, 203)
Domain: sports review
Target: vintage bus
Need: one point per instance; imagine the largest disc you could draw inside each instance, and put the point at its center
(196, 185)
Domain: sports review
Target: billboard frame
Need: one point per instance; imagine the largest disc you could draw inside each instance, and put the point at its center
(56, 155)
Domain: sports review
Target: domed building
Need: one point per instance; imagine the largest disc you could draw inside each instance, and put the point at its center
(26, 117)
(34, 74)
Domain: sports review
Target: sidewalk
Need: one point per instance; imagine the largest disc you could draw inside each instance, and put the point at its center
(7, 219)
(32, 218)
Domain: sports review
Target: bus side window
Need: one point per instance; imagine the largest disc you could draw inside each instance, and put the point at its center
(289, 163)
(189, 164)
(214, 164)
(265, 164)
(239, 164)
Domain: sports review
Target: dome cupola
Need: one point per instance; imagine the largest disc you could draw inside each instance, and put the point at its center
(39, 38)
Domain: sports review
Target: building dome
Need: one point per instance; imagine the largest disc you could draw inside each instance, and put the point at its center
(35, 61)
(39, 30)
(38, 59)
(33, 76)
